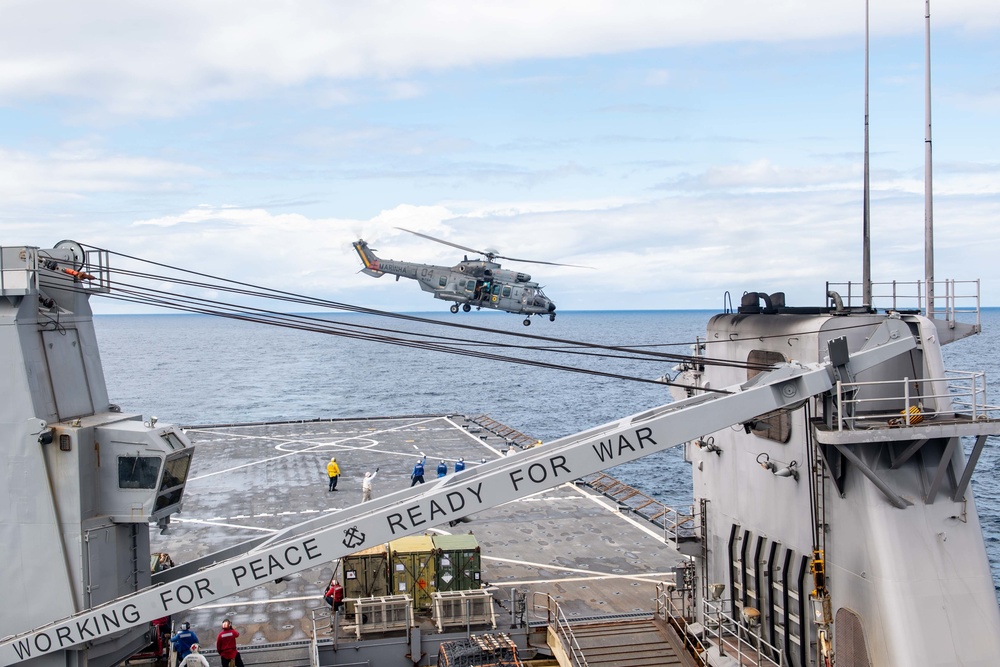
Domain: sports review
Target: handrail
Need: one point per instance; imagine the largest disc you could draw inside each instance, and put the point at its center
(731, 637)
(953, 298)
(679, 618)
(555, 617)
(964, 392)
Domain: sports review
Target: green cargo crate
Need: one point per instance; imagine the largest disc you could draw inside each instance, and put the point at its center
(366, 574)
(458, 566)
(412, 562)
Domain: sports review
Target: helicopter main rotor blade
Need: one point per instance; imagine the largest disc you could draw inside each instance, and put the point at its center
(537, 261)
(489, 254)
(453, 245)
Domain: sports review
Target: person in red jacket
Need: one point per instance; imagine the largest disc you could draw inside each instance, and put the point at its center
(334, 595)
(225, 644)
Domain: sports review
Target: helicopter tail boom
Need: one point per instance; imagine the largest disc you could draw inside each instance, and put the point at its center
(368, 258)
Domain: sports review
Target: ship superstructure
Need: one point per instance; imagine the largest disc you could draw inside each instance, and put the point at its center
(846, 526)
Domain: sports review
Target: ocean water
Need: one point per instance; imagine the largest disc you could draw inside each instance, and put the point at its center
(195, 369)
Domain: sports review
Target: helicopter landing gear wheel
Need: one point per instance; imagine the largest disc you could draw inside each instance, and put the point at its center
(466, 307)
(454, 307)
(527, 322)
(552, 317)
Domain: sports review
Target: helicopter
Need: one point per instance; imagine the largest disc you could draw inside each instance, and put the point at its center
(471, 283)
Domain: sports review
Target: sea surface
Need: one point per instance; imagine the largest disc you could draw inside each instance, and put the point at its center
(198, 369)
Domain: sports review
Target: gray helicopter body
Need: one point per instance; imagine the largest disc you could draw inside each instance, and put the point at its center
(469, 284)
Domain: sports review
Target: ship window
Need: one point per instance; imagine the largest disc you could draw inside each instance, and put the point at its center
(506, 290)
(138, 472)
(173, 440)
(442, 281)
(175, 472)
(165, 500)
(774, 425)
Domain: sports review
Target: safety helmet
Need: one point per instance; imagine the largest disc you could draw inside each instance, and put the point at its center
(185, 626)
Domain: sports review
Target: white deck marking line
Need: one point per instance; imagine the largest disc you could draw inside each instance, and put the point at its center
(591, 574)
(226, 525)
(474, 437)
(603, 502)
(645, 578)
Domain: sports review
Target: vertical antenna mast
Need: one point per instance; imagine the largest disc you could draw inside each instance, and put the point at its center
(866, 253)
(928, 170)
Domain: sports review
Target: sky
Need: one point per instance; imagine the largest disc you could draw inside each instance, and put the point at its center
(681, 150)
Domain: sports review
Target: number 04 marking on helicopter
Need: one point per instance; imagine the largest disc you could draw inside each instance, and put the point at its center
(470, 283)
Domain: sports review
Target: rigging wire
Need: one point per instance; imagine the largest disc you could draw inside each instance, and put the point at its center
(298, 322)
(266, 292)
(145, 295)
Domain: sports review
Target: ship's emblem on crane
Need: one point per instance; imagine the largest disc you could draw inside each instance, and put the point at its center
(353, 537)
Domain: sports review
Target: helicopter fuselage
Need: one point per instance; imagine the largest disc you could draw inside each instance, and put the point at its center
(469, 284)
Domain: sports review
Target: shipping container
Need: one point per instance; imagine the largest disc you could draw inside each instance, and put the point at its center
(366, 574)
(457, 564)
(412, 564)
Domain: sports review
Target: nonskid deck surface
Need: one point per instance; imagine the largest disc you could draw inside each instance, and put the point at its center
(249, 481)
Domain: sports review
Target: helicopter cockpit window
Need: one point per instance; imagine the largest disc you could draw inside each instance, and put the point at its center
(442, 281)
(506, 290)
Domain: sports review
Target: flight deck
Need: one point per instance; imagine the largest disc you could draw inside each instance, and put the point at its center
(585, 550)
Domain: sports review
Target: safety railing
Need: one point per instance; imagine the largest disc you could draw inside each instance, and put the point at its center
(719, 633)
(463, 608)
(736, 639)
(18, 270)
(556, 621)
(907, 402)
(954, 300)
(677, 608)
(24, 268)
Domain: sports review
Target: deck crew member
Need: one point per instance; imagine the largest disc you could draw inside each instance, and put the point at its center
(366, 486)
(184, 640)
(442, 469)
(460, 464)
(333, 472)
(194, 658)
(225, 644)
(417, 476)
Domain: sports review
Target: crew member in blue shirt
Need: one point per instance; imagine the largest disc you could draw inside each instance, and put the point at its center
(418, 472)
(442, 469)
(183, 640)
(460, 465)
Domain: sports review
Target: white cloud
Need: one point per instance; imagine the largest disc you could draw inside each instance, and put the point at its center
(74, 170)
(164, 58)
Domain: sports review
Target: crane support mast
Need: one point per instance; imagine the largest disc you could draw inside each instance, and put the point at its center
(414, 510)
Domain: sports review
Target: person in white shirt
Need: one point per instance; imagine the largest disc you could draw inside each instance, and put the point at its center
(366, 486)
(194, 658)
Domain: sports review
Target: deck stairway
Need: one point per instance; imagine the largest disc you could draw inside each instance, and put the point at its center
(624, 643)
